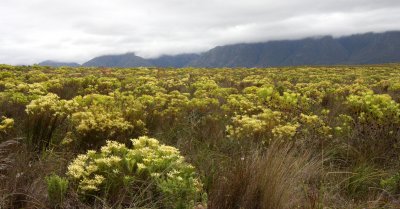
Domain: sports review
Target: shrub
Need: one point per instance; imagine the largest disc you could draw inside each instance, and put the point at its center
(392, 184)
(66, 88)
(240, 104)
(56, 189)
(149, 167)
(93, 126)
(45, 114)
(313, 131)
(255, 127)
(376, 121)
(285, 132)
(101, 117)
(374, 108)
(6, 124)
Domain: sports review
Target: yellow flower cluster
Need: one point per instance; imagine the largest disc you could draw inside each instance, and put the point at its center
(378, 108)
(312, 126)
(6, 124)
(95, 171)
(254, 127)
(51, 104)
(100, 121)
(285, 132)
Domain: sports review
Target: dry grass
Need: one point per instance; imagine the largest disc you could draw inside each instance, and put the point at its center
(271, 180)
(23, 184)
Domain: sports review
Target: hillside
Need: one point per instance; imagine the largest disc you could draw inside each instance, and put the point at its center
(58, 64)
(369, 48)
(124, 60)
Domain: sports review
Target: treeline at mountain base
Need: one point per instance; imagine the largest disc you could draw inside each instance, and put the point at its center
(298, 137)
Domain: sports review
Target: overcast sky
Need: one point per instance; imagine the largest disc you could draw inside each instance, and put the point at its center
(78, 30)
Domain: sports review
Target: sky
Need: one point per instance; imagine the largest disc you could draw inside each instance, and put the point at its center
(32, 31)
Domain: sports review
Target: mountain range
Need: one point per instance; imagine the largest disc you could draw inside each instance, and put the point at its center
(368, 48)
(59, 64)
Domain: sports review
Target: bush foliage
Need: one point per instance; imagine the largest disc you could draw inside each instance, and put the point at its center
(79, 122)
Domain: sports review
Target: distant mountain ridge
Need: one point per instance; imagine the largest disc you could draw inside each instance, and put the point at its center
(124, 60)
(368, 48)
(58, 64)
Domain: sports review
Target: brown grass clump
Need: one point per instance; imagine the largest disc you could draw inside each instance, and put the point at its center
(274, 179)
(22, 175)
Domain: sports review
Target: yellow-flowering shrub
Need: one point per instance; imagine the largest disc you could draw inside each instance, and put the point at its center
(133, 111)
(292, 102)
(148, 166)
(107, 85)
(353, 89)
(148, 89)
(6, 124)
(164, 110)
(320, 93)
(285, 101)
(205, 84)
(107, 116)
(17, 95)
(241, 104)
(256, 80)
(106, 101)
(203, 105)
(285, 132)
(66, 88)
(175, 84)
(255, 127)
(45, 114)
(313, 131)
(376, 118)
(96, 124)
(345, 125)
(204, 118)
(375, 108)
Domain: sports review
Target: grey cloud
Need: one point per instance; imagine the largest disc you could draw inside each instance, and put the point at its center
(76, 30)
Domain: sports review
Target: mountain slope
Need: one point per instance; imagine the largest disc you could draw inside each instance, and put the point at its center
(370, 48)
(373, 48)
(176, 61)
(58, 64)
(124, 60)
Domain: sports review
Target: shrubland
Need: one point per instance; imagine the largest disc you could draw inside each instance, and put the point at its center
(298, 137)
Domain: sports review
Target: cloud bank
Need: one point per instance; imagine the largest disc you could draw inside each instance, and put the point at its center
(75, 30)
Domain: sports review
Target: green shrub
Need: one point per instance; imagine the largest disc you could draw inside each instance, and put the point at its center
(95, 125)
(6, 124)
(256, 127)
(149, 167)
(374, 108)
(313, 131)
(392, 184)
(56, 189)
(45, 114)
(376, 118)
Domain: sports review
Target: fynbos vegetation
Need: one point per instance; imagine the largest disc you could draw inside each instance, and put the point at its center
(300, 137)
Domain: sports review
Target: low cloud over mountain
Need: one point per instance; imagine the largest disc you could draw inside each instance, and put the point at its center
(369, 48)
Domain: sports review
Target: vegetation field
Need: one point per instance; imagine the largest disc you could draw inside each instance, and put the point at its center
(298, 137)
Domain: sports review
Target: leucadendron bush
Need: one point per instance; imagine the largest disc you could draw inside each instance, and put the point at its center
(245, 137)
(6, 125)
(151, 172)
